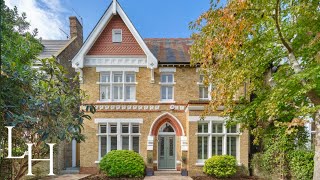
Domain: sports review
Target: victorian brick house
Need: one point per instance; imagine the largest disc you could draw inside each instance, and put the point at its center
(148, 99)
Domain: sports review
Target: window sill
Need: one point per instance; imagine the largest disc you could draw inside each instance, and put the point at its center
(173, 83)
(166, 102)
(97, 162)
(200, 164)
(102, 101)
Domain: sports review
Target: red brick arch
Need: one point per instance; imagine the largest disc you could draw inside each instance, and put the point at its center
(166, 118)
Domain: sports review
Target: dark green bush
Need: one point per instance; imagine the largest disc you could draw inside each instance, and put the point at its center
(220, 166)
(122, 163)
(301, 164)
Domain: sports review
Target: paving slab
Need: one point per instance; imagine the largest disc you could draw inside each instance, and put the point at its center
(168, 178)
(67, 177)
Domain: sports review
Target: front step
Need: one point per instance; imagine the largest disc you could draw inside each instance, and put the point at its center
(167, 173)
(70, 170)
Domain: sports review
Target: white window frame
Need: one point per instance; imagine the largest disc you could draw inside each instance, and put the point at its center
(114, 33)
(111, 84)
(118, 134)
(201, 85)
(224, 136)
(166, 85)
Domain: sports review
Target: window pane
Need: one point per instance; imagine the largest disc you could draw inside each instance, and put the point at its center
(125, 129)
(113, 143)
(103, 129)
(103, 142)
(219, 142)
(232, 129)
(217, 127)
(163, 78)
(199, 147)
(125, 142)
(130, 92)
(116, 35)
(104, 92)
(105, 77)
(216, 145)
(203, 128)
(135, 128)
(202, 147)
(117, 77)
(171, 146)
(201, 78)
(130, 77)
(113, 128)
(163, 92)
(232, 146)
(205, 146)
(170, 78)
(170, 92)
(135, 144)
(117, 92)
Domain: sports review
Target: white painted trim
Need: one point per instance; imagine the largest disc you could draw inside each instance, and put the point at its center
(78, 60)
(115, 61)
(103, 69)
(74, 153)
(160, 116)
(195, 108)
(167, 69)
(115, 120)
(207, 118)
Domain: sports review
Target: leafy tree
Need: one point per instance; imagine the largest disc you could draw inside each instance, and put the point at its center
(41, 103)
(270, 48)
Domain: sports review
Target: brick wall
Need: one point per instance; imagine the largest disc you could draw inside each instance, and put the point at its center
(105, 46)
(185, 89)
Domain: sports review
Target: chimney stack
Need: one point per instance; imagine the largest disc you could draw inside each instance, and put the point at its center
(75, 28)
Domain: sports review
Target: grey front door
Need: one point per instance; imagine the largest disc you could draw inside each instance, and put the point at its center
(166, 152)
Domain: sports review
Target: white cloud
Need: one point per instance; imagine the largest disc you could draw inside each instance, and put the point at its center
(45, 15)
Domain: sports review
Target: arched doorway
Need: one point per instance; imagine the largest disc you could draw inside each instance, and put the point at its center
(167, 131)
(166, 147)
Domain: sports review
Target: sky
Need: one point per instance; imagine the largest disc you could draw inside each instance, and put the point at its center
(151, 18)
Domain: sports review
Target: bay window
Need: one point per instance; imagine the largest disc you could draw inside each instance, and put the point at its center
(117, 86)
(214, 138)
(115, 136)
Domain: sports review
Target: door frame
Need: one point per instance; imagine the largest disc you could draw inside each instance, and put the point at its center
(175, 149)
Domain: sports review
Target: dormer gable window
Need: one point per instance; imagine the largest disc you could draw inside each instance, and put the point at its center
(116, 35)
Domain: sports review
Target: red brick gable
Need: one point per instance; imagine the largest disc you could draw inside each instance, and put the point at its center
(105, 46)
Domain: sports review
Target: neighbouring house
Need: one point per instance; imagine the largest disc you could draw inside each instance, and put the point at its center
(67, 154)
(148, 99)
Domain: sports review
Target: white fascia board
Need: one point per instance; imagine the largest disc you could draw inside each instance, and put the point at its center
(115, 120)
(207, 118)
(150, 57)
(103, 69)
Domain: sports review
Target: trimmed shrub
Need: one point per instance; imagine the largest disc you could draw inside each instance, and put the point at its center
(220, 166)
(301, 164)
(122, 163)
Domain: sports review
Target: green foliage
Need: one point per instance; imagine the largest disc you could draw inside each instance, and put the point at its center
(301, 164)
(220, 166)
(42, 104)
(276, 156)
(122, 163)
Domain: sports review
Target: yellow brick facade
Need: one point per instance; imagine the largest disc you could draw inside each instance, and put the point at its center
(148, 94)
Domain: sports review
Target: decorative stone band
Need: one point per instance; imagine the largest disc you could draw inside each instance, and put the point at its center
(136, 107)
(115, 61)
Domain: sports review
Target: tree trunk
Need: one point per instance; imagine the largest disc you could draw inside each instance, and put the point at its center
(316, 171)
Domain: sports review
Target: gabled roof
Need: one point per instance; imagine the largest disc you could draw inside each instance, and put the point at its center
(170, 50)
(52, 48)
(113, 9)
